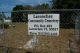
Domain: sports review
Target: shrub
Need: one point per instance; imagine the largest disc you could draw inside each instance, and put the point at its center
(6, 26)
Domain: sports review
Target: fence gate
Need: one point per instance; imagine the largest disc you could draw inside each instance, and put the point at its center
(41, 31)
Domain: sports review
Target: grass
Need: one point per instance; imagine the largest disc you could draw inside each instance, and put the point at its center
(16, 37)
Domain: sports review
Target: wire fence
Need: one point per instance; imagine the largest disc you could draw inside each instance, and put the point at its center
(14, 32)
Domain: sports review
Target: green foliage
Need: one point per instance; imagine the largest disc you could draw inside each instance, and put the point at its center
(18, 7)
(44, 6)
(17, 16)
(66, 4)
(6, 26)
(66, 19)
(20, 16)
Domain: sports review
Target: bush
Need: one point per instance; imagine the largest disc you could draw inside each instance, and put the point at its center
(6, 26)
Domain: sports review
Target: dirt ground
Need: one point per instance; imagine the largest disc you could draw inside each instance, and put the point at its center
(16, 37)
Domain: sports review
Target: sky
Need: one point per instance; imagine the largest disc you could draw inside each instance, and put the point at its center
(7, 5)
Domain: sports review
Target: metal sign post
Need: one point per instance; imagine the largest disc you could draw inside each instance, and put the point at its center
(34, 41)
(31, 43)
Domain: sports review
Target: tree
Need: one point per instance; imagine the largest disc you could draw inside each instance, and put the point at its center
(66, 4)
(27, 7)
(66, 16)
(18, 15)
(25, 14)
(43, 6)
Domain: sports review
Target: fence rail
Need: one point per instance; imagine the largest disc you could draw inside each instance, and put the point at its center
(42, 10)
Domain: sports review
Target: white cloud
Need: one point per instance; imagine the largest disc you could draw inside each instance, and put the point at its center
(23, 1)
(32, 2)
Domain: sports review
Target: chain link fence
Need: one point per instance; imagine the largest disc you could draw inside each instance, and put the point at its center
(14, 26)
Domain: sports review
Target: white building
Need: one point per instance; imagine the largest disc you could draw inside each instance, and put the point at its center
(4, 20)
(7, 21)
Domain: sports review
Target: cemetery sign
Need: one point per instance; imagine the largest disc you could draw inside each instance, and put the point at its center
(43, 24)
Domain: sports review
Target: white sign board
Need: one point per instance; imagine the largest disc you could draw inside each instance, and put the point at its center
(43, 24)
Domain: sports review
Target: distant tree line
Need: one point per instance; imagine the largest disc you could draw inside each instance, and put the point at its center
(65, 16)
(21, 16)
(65, 4)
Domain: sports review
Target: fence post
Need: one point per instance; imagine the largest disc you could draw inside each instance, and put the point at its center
(6, 50)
